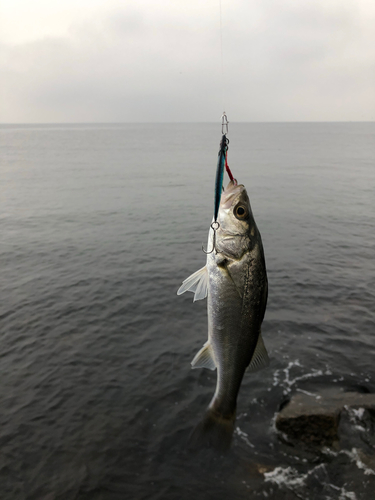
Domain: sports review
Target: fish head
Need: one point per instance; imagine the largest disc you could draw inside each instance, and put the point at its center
(237, 229)
(235, 216)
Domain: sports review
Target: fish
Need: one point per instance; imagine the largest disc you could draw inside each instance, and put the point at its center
(234, 280)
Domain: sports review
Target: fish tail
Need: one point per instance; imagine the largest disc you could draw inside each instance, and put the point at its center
(214, 431)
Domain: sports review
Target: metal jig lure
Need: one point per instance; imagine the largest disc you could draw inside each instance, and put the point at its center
(221, 163)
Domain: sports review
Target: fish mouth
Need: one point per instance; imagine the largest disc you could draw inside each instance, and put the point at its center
(232, 190)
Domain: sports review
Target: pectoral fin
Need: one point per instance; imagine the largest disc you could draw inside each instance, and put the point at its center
(196, 283)
(204, 358)
(260, 357)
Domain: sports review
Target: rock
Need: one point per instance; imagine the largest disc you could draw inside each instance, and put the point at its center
(367, 462)
(314, 419)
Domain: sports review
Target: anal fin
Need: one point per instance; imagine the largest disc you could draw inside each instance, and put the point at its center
(260, 357)
(204, 358)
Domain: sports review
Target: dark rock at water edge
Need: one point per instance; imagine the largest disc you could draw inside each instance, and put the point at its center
(314, 419)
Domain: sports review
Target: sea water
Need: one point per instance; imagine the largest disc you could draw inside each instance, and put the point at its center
(99, 226)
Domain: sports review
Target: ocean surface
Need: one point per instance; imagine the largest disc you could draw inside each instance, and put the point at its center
(99, 226)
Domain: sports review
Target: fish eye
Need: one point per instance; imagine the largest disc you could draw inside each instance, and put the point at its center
(240, 212)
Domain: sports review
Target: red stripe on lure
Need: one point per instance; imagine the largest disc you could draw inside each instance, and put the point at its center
(227, 167)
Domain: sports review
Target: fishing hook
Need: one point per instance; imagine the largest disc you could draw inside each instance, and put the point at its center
(224, 124)
(214, 226)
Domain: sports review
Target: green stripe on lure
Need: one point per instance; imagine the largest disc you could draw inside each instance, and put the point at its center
(220, 173)
(221, 163)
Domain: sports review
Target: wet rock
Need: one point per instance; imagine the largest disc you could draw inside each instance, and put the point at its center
(314, 419)
(367, 462)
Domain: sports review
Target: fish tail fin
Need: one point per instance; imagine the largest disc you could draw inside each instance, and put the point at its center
(213, 431)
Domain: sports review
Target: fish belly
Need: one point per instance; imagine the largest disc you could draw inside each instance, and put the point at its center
(233, 334)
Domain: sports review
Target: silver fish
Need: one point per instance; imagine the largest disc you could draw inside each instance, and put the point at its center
(234, 280)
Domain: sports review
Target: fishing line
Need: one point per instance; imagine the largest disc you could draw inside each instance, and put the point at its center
(224, 118)
(222, 162)
(222, 56)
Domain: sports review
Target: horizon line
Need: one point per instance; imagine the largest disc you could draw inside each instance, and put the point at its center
(182, 122)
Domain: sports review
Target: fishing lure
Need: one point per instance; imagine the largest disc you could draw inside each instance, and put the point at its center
(220, 173)
(222, 163)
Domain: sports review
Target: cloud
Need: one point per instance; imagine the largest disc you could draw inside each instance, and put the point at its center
(311, 60)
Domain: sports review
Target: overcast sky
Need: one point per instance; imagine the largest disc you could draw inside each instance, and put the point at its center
(160, 60)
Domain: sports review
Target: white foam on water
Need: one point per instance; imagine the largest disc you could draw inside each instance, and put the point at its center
(354, 456)
(347, 495)
(244, 436)
(289, 478)
(356, 416)
(316, 396)
(287, 382)
(344, 495)
(241, 415)
(358, 413)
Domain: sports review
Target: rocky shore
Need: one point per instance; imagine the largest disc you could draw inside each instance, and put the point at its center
(314, 418)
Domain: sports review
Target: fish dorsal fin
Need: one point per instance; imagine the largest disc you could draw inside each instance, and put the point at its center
(204, 358)
(260, 357)
(196, 283)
